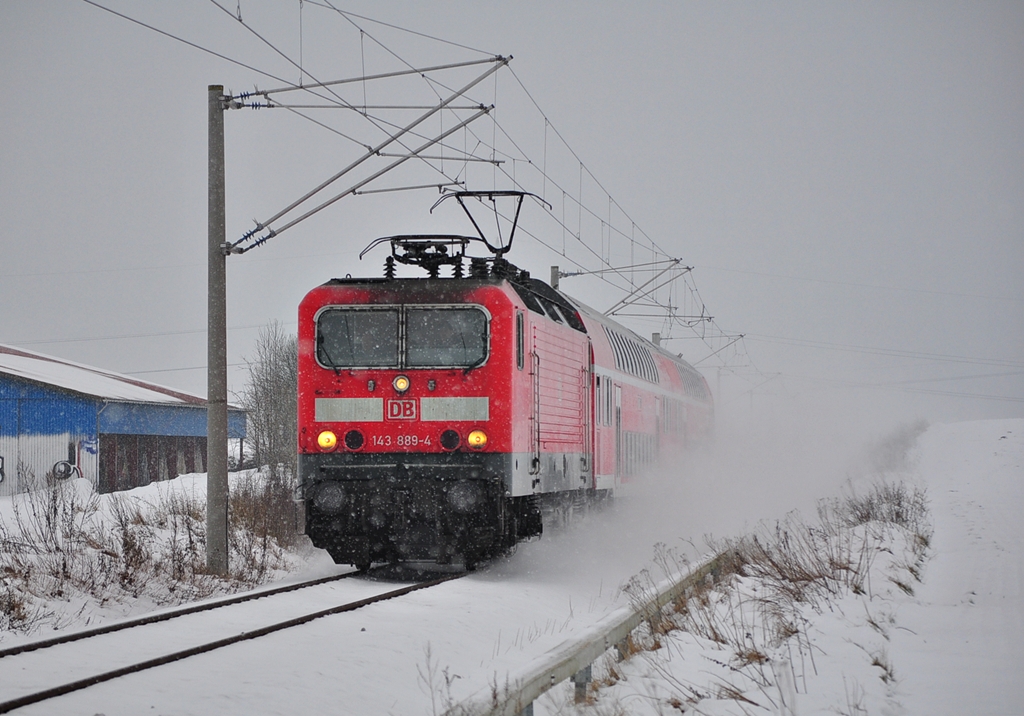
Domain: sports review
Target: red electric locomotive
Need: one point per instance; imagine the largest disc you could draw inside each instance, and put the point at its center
(440, 417)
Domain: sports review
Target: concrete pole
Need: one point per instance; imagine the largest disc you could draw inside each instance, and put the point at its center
(217, 340)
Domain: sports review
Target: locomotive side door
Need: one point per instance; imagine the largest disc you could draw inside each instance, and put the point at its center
(587, 461)
(535, 408)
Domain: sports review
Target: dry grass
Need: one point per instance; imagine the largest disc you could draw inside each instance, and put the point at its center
(752, 605)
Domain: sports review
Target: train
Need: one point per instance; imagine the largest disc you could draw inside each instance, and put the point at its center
(444, 419)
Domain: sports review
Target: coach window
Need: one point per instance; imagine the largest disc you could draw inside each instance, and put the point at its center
(520, 341)
(606, 396)
(357, 338)
(445, 337)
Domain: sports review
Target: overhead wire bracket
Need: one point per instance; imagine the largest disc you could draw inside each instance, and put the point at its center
(249, 240)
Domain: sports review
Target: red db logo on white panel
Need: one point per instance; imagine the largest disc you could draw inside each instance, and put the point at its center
(401, 409)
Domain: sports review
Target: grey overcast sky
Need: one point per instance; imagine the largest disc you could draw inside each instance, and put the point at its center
(846, 179)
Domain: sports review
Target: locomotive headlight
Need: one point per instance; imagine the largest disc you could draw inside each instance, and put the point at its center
(401, 383)
(327, 440)
(464, 496)
(477, 439)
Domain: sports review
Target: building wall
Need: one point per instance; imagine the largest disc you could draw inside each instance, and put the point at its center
(128, 461)
(39, 428)
(150, 419)
(115, 445)
(28, 460)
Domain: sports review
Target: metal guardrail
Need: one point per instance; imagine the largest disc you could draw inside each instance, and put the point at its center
(574, 658)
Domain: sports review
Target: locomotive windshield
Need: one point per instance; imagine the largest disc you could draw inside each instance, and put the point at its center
(348, 338)
(431, 337)
(454, 337)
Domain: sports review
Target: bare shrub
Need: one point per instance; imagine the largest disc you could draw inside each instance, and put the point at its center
(64, 541)
(14, 610)
(261, 514)
(270, 398)
(263, 503)
(131, 544)
(888, 503)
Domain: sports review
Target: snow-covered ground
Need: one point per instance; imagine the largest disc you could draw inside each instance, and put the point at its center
(945, 639)
(947, 648)
(959, 640)
(75, 558)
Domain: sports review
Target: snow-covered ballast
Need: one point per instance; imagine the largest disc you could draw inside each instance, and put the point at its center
(61, 419)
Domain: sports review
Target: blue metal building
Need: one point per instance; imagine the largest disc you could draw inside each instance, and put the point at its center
(59, 418)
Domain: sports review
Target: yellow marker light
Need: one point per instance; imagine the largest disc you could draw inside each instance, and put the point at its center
(327, 440)
(401, 383)
(476, 439)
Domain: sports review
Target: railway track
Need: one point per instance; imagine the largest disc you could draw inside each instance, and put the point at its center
(167, 615)
(105, 653)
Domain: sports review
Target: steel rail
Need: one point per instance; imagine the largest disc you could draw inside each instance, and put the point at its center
(68, 688)
(165, 616)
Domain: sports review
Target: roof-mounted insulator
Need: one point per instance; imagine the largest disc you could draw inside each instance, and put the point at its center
(478, 267)
(503, 269)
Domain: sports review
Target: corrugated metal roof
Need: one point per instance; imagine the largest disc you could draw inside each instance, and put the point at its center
(87, 380)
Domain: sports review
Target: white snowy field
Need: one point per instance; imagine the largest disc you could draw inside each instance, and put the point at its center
(947, 648)
(945, 639)
(959, 640)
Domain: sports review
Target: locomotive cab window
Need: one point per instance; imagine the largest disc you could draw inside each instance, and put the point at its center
(552, 310)
(402, 336)
(445, 337)
(357, 338)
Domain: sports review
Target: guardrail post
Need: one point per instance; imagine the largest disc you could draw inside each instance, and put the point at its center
(581, 678)
(622, 649)
(527, 710)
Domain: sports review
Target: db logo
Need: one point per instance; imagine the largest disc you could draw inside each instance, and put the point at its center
(401, 410)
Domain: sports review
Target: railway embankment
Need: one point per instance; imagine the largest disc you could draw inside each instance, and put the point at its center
(748, 610)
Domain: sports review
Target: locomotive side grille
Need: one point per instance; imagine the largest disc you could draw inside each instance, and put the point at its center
(560, 399)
